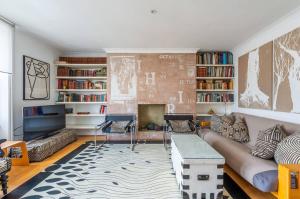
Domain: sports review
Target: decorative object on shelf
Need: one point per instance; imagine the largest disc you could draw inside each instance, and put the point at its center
(255, 78)
(287, 72)
(211, 111)
(36, 79)
(83, 113)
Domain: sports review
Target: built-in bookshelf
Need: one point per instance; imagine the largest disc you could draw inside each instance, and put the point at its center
(82, 87)
(214, 83)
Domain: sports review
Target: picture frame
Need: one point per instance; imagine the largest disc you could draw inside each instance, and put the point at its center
(36, 79)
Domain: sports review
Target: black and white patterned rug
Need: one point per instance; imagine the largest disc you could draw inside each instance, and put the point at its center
(112, 172)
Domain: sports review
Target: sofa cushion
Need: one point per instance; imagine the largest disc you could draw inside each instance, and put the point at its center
(180, 126)
(221, 124)
(118, 126)
(267, 181)
(288, 150)
(238, 156)
(267, 142)
(215, 123)
(238, 131)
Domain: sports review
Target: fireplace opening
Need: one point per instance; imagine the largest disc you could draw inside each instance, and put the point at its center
(151, 117)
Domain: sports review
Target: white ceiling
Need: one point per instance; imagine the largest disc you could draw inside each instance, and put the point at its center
(94, 25)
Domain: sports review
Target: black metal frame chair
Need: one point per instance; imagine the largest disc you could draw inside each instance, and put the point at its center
(5, 167)
(168, 129)
(129, 128)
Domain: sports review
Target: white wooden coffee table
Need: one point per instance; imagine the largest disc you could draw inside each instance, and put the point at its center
(198, 167)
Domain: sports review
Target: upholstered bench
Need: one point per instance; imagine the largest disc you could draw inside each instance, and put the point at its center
(38, 150)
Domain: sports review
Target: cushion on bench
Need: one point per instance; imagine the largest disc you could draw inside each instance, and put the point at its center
(38, 150)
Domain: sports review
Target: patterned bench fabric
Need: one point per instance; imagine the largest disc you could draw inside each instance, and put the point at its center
(5, 164)
(41, 149)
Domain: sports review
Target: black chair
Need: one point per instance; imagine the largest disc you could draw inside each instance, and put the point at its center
(5, 166)
(110, 119)
(169, 129)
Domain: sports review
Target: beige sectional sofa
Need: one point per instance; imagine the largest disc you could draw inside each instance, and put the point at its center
(261, 173)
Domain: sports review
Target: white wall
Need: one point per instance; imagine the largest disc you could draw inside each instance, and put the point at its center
(277, 29)
(30, 45)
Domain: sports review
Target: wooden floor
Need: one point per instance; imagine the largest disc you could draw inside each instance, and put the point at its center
(20, 174)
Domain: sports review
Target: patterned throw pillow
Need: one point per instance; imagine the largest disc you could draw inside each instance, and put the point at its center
(267, 141)
(288, 150)
(118, 126)
(226, 125)
(237, 131)
(215, 123)
(221, 124)
(180, 126)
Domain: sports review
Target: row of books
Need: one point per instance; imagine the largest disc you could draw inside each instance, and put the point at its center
(214, 58)
(103, 109)
(215, 97)
(66, 71)
(215, 84)
(80, 84)
(220, 71)
(73, 97)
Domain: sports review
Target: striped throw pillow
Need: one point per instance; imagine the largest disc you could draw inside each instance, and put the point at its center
(267, 141)
(288, 150)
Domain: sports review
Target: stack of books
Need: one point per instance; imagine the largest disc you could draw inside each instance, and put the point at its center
(214, 58)
(66, 71)
(215, 84)
(80, 84)
(220, 71)
(215, 97)
(73, 97)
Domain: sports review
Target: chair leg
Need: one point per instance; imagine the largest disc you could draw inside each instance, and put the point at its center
(4, 183)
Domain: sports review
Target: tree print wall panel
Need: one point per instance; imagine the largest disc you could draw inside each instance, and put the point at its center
(287, 72)
(255, 77)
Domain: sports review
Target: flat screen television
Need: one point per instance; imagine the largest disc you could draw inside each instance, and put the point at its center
(43, 121)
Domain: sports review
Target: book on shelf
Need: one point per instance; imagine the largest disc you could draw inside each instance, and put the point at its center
(103, 109)
(66, 71)
(215, 97)
(73, 97)
(214, 57)
(80, 84)
(215, 84)
(220, 71)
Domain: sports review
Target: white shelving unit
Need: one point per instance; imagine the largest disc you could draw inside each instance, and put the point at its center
(81, 77)
(216, 103)
(210, 73)
(85, 115)
(81, 66)
(81, 126)
(83, 123)
(214, 90)
(81, 103)
(204, 78)
(213, 65)
(82, 90)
